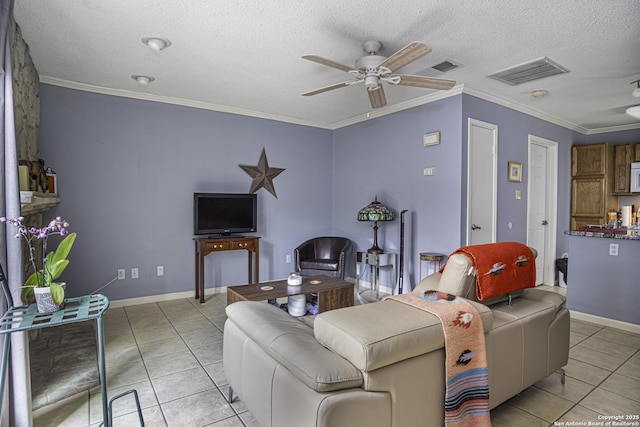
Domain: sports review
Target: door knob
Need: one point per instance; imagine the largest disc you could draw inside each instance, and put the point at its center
(545, 222)
(475, 227)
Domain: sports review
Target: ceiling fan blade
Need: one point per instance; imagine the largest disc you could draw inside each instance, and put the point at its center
(328, 62)
(425, 82)
(406, 55)
(328, 88)
(377, 98)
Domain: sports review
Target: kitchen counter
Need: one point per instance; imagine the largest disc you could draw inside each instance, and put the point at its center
(603, 277)
(601, 232)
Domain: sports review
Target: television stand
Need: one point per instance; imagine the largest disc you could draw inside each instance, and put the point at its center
(207, 244)
(221, 236)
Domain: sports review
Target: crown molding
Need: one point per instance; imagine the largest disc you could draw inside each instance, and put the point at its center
(613, 129)
(547, 117)
(175, 101)
(526, 110)
(379, 112)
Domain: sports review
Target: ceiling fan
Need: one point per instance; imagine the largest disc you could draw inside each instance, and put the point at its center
(373, 69)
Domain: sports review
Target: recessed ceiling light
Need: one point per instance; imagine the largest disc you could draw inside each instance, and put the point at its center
(143, 80)
(634, 111)
(539, 93)
(156, 43)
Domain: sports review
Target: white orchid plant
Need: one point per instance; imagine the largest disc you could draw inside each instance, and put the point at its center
(53, 263)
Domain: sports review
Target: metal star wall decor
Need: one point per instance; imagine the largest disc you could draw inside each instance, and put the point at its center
(262, 175)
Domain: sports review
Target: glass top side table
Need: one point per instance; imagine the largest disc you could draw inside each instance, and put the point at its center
(375, 261)
(27, 318)
(431, 257)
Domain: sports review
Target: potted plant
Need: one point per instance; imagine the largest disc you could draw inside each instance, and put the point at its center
(41, 286)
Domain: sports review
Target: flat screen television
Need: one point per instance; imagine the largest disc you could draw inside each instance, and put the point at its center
(218, 214)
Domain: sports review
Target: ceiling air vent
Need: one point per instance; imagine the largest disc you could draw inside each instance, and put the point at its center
(529, 71)
(447, 65)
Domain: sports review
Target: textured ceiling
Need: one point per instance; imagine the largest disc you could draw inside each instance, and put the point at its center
(245, 56)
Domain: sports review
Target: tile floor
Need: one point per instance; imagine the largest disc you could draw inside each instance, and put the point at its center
(171, 353)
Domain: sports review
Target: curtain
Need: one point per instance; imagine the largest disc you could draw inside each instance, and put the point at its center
(16, 408)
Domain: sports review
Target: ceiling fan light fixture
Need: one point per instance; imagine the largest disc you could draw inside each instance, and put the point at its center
(156, 43)
(371, 82)
(634, 111)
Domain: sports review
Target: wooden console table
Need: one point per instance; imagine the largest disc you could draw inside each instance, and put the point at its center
(206, 245)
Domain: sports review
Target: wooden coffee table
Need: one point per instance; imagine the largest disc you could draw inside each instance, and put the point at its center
(332, 293)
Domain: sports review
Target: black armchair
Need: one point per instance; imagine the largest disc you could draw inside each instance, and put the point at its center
(324, 255)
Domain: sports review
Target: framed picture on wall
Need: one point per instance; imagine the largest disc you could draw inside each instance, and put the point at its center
(515, 172)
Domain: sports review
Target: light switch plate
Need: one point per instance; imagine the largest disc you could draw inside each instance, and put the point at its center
(613, 249)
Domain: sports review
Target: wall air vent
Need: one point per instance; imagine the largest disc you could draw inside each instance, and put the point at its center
(447, 65)
(529, 71)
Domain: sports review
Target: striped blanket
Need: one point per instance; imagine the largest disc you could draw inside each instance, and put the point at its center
(467, 381)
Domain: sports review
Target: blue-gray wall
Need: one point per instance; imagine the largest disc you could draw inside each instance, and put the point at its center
(514, 129)
(386, 157)
(601, 284)
(127, 170)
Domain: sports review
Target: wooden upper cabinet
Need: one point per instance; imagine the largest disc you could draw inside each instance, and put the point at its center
(637, 156)
(588, 197)
(591, 184)
(623, 157)
(589, 160)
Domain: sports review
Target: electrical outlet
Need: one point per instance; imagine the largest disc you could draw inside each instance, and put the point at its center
(121, 274)
(160, 270)
(613, 249)
(134, 273)
(288, 259)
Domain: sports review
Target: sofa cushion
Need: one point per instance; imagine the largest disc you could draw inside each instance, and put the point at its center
(458, 278)
(431, 282)
(555, 299)
(292, 344)
(320, 264)
(372, 336)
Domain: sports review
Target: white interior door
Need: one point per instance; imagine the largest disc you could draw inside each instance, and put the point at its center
(482, 182)
(542, 205)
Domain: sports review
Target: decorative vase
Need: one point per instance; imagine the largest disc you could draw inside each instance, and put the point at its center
(44, 301)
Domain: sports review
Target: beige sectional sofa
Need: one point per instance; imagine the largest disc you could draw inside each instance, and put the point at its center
(382, 364)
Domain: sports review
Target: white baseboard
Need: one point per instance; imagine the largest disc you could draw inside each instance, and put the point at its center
(605, 321)
(164, 297)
